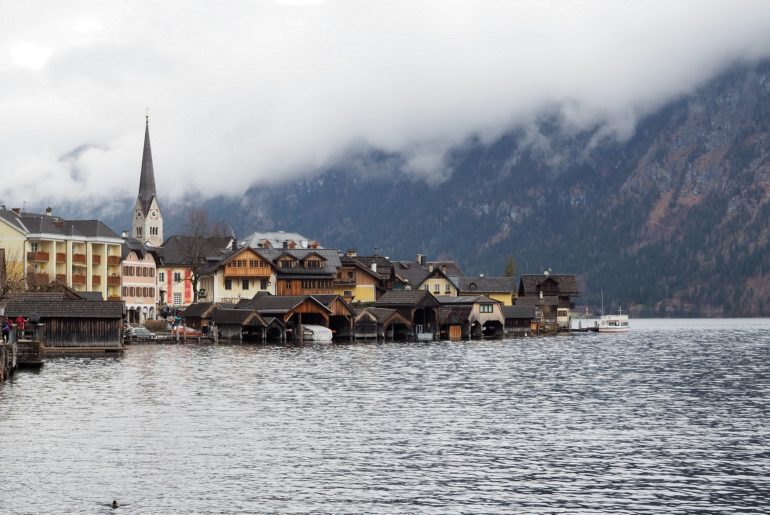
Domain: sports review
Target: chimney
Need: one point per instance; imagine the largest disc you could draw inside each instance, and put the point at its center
(547, 272)
(420, 260)
(443, 269)
(430, 267)
(351, 253)
(234, 245)
(124, 234)
(285, 244)
(374, 267)
(48, 211)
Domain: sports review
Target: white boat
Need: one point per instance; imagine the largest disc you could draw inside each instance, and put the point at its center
(614, 323)
(316, 333)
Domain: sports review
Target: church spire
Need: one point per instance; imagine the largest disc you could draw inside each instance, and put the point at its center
(147, 177)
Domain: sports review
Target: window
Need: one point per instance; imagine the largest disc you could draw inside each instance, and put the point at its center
(125, 291)
(436, 288)
(131, 292)
(245, 284)
(153, 231)
(162, 277)
(485, 308)
(427, 287)
(177, 277)
(177, 298)
(347, 293)
(228, 284)
(350, 275)
(138, 232)
(448, 289)
(34, 247)
(263, 284)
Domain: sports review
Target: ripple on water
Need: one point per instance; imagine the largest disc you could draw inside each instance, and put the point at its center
(669, 418)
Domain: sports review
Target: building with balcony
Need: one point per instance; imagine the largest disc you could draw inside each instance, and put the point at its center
(84, 255)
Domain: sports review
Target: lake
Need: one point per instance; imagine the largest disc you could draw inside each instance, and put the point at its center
(672, 417)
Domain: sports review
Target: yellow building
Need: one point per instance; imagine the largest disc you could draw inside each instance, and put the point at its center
(502, 289)
(362, 278)
(84, 255)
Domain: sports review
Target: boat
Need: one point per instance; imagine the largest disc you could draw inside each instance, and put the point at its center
(614, 323)
(316, 333)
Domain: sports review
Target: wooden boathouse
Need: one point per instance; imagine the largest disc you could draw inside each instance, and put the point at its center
(71, 323)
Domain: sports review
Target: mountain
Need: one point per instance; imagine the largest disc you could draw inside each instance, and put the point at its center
(673, 221)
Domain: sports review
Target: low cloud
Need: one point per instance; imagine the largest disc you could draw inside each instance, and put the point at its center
(252, 93)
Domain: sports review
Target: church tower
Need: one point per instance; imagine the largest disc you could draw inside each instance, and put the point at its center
(147, 221)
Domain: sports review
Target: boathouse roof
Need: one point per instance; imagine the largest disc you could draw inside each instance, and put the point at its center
(407, 298)
(244, 317)
(520, 312)
(61, 305)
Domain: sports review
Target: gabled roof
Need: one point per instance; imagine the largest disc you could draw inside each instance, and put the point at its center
(134, 245)
(176, 249)
(383, 316)
(520, 312)
(329, 299)
(278, 304)
(356, 262)
(244, 317)
(530, 284)
(485, 284)
(412, 298)
(453, 315)
(204, 309)
(465, 300)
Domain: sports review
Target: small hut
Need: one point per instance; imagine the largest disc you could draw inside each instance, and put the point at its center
(239, 324)
(70, 322)
(382, 324)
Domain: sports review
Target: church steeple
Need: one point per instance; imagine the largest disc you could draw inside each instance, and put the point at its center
(147, 221)
(147, 177)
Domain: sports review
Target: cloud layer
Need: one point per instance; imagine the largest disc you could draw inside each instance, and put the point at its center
(243, 93)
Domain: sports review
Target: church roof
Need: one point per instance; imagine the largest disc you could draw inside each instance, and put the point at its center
(147, 177)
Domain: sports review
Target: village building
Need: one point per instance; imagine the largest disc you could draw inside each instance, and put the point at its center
(466, 317)
(382, 324)
(70, 322)
(292, 311)
(182, 257)
(303, 271)
(551, 296)
(419, 307)
(502, 289)
(433, 276)
(84, 255)
(239, 274)
(139, 281)
(363, 279)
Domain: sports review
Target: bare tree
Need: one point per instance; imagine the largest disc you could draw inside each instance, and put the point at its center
(202, 240)
(11, 274)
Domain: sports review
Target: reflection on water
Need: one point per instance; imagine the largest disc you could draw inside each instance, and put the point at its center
(671, 417)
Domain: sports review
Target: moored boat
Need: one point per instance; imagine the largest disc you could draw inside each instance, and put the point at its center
(614, 323)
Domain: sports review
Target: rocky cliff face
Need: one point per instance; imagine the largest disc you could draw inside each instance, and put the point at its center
(674, 221)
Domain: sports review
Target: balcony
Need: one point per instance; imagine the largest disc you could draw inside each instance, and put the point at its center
(61, 257)
(37, 256)
(96, 259)
(96, 280)
(344, 282)
(113, 260)
(113, 280)
(79, 259)
(260, 271)
(37, 278)
(78, 280)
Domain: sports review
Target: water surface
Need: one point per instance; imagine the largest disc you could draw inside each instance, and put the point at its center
(672, 417)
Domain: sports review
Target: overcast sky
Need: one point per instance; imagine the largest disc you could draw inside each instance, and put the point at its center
(245, 92)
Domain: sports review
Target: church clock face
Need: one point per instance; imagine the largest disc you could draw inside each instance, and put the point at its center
(138, 214)
(153, 214)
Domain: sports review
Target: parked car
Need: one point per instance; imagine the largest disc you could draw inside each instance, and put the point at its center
(140, 333)
(187, 331)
